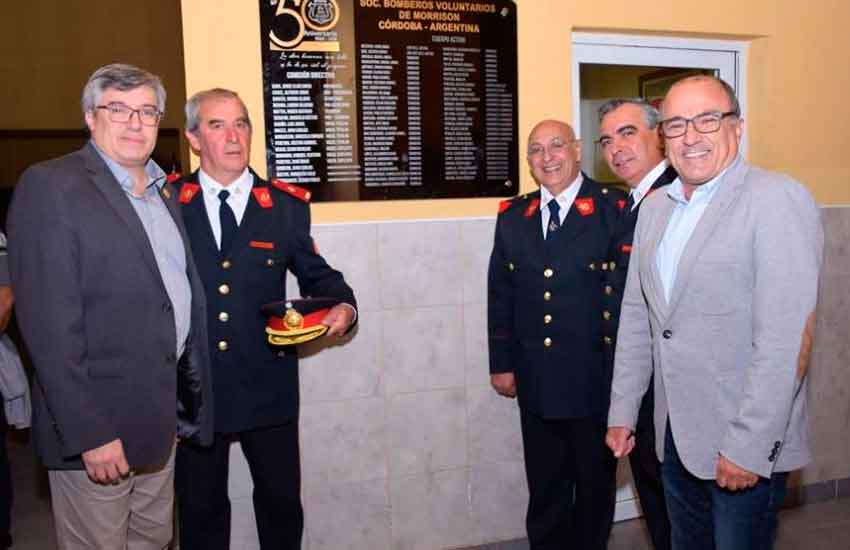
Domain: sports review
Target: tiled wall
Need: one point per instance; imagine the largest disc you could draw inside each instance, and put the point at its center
(404, 444)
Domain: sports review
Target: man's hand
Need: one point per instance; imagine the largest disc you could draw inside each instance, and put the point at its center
(732, 477)
(106, 464)
(338, 319)
(504, 383)
(620, 440)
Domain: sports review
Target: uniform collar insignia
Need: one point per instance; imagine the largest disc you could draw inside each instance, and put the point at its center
(585, 206)
(188, 192)
(263, 196)
(532, 207)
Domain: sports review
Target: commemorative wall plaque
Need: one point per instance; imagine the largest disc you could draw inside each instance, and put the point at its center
(391, 99)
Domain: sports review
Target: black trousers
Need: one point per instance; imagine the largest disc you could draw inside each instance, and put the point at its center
(646, 472)
(5, 485)
(571, 482)
(203, 505)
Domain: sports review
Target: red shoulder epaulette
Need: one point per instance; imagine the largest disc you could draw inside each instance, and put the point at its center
(294, 190)
(188, 192)
(173, 176)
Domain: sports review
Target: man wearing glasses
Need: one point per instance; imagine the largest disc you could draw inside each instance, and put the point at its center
(545, 339)
(720, 301)
(111, 307)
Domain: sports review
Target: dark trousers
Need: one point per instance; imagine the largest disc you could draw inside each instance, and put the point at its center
(705, 517)
(5, 485)
(201, 487)
(571, 483)
(646, 472)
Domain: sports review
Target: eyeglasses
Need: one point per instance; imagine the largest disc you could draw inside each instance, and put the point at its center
(555, 146)
(118, 112)
(705, 123)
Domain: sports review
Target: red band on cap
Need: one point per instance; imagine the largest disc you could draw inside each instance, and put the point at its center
(311, 319)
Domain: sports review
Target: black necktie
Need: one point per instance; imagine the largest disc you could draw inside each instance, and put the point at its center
(554, 218)
(630, 202)
(228, 222)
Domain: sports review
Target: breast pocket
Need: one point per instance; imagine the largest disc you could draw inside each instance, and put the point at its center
(716, 288)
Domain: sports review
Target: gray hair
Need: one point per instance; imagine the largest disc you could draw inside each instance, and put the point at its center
(650, 113)
(734, 105)
(193, 105)
(122, 77)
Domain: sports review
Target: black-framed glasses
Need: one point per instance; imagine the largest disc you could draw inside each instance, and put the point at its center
(555, 146)
(705, 123)
(118, 112)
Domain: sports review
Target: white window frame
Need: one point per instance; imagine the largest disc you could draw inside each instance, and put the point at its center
(658, 51)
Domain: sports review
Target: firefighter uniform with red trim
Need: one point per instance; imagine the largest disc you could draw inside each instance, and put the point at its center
(545, 326)
(256, 382)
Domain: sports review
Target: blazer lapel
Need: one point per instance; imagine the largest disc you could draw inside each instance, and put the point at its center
(198, 222)
(722, 200)
(251, 222)
(656, 233)
(533, 227)
(117, 199)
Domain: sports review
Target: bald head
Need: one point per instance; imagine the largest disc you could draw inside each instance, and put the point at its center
(553, 155)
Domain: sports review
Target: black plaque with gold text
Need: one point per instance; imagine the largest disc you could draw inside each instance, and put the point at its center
(391, 99)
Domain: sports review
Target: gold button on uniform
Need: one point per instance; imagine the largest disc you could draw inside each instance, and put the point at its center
(510, 267)
(592, 267)
(612, 265)
(223, 317)
(608, 340)
(606, 315)
(222, 345)
(547, 342)
(608, 289)
(604, 266)
(270, 262)
(224, 290)
(547, 319)
(226, 264)
(548, 272)
(547, 295)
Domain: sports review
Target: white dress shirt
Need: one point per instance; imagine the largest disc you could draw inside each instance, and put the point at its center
(642, 189)
(565, 201)
(240, 194)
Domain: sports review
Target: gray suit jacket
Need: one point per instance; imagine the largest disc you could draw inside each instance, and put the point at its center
(726, 348)
(97, 319)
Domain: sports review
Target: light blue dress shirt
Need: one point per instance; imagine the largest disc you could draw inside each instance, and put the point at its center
(684, 219)
(164, 238)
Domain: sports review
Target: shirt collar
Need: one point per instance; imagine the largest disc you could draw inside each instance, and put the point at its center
(645, 184)
(155, 174)
(240, 185)
(702, 193)
(565, 198)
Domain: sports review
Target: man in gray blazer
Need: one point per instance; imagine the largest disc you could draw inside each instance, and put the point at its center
(719, 300)
(111, 308)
